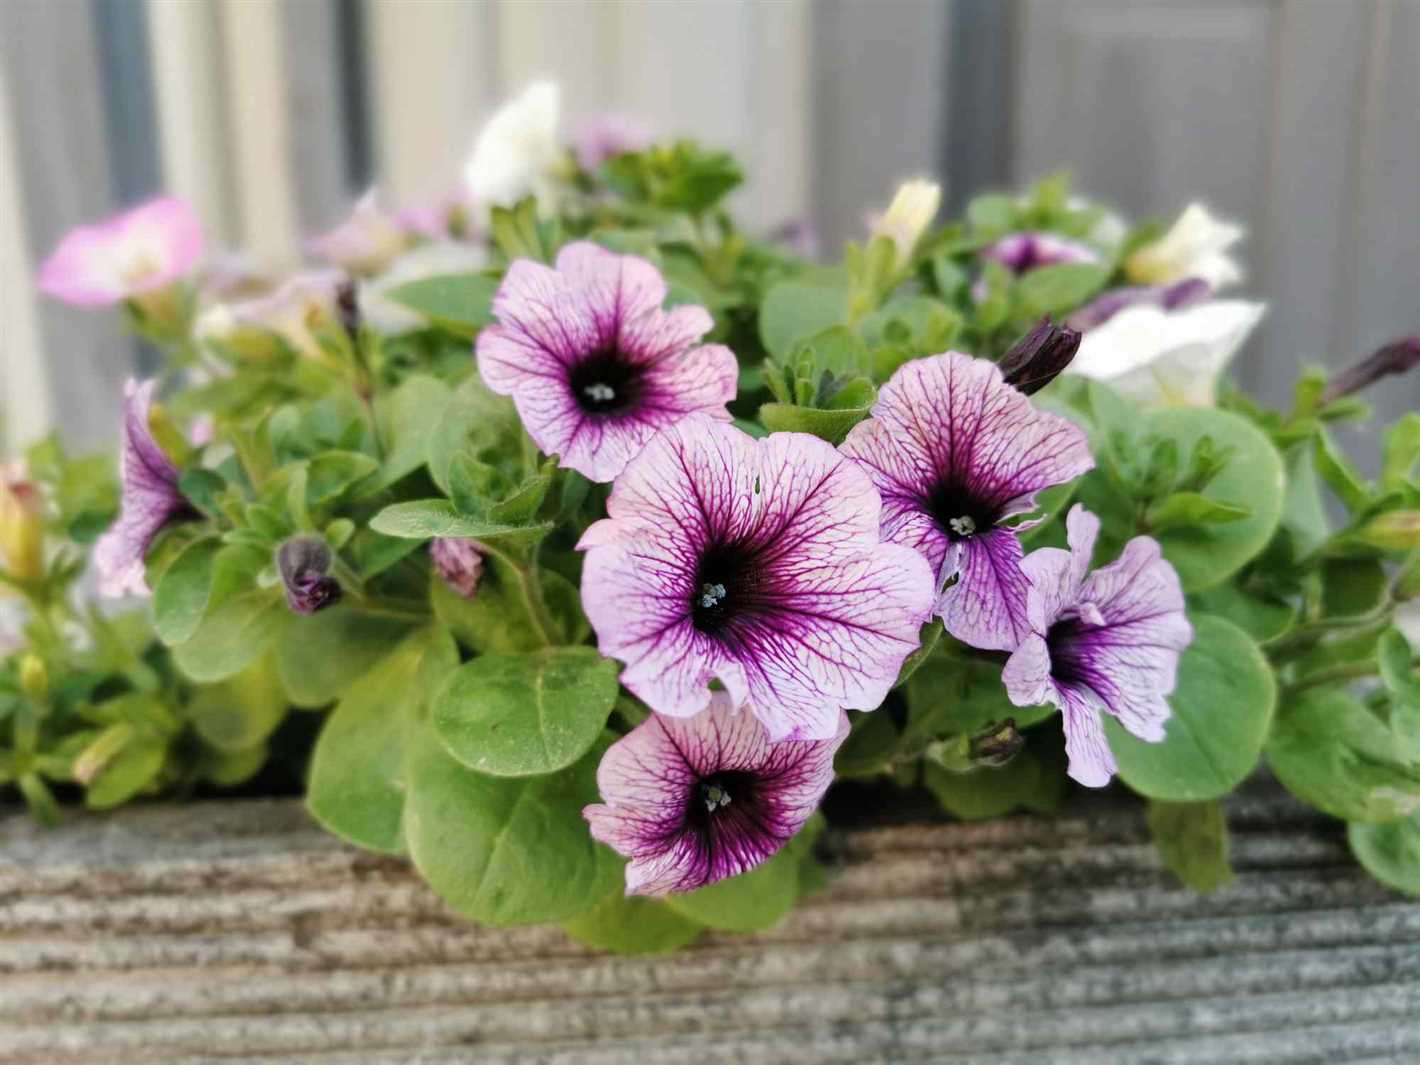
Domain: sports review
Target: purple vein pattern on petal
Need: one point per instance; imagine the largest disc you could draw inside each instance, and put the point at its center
(1108, 642)
(149, 501)
(693, 800)
(954, 451)
(594, 365)
(756, 563)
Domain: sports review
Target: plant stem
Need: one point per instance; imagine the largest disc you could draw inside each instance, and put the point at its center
(1345, 671)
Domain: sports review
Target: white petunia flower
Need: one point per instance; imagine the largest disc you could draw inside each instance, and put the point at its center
(517, 152)
(908, 216)
(1196, 246)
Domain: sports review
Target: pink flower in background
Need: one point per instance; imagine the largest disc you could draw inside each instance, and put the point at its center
(955, 452)
(1021, 253)
(365, 242)
(606, 136)
(757, 563)
(1107, 643)
(150, 500)
(693, 801)
(137, 252)
(594, 365)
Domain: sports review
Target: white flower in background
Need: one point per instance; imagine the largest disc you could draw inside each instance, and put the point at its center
(429, 260)
(1407, 620)
(1196, 246)
(517, 152)
(908, 216)
(301, 307)
(365, 242)
(1160, 357)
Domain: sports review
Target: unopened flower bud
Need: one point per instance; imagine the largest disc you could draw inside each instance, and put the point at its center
(347, 306)
(304, 562)
(21, 526)
(1039, 356)
(908, 216)
(997, 744)
(34, 678)
(1398, 357)
(459, 563)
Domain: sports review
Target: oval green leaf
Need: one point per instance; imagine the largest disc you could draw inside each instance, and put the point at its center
(1389, 852)
(633, 925)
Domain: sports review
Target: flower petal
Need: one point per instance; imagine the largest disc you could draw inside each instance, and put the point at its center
(987, 606)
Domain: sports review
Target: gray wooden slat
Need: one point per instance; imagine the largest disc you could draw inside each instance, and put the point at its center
(318, 100)
(240, 931)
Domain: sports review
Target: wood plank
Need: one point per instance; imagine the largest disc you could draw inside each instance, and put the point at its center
(173, 931)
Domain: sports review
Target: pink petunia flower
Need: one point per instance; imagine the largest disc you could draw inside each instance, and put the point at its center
(594, 365)
(364, 243)
(150, 500)
(1021, 253)
(955, 452)
(693, 801)
(757, 563)
(605, 136)
(459, 563)
(137, 252)
(1107, 643)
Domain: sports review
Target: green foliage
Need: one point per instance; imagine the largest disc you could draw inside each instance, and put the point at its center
(1390, 852)
(1031, 781)
(632, 925)
(1192, 838)
(460, 303)
(679, 177)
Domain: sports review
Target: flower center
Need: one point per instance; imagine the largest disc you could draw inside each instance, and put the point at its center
(957, 513)
(606, 383)
(722, 802)
(725, 584)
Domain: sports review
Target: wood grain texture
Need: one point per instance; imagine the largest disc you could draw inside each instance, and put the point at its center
(241, 932)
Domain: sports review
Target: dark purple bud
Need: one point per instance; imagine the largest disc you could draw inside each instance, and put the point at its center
(1397, 357)
(459, 563)
(304, 562)
(1039, 356)
(347, 306)
(997, 744)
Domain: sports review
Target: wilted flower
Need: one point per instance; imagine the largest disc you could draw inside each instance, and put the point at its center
(365, 242)
(517, 152)
(1398, 357)
(603, 137)
(21, 524)
(459, 563)
(150, 501)
(131, 255)
(908, 216)
(1039, 357)
(1196, 246)
(303, 306)
(594, 365)
(1157, 357)
(428, 260)
(757, 563)
(693, 801)
(955, 452)
(1174, 297)
(304, 563)
(1021, 253)
(1108, 643)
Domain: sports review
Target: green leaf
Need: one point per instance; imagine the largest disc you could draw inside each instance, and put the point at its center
(242, 711)
(331, 473)
(424, 519)
(991, 213)
(1397, 666)
(830, 425)
(633, 925)
(1060, 288)
(358, 778)
(955, 692)
(755, 900)
(1191, 508)
(526, 714)
(1389, 852)
(232, 636)
(498, 618)
(1262, 619)
(1192, 839)
(129, 772)
(1252, 479)
(1222, 707)
(1334, 753)
(796, 310)
(1395, 530)
(461, 303)
(476, 423)
(1352, 586)
(1303, 509)
(1339, 473)
(321, 655)
(407, 418)
(180, 597)
(1402, 451)
(1028, 781)
(506, 850)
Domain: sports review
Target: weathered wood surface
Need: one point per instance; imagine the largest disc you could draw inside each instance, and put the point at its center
(242, 932)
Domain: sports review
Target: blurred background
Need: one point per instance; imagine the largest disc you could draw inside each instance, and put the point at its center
(1300, 118)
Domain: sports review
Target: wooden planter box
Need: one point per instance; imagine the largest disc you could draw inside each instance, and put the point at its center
(241, 931)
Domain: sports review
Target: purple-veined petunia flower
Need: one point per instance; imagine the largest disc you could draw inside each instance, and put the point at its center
(605, 136)
(594, 365)
(1108, 643)
(363, 243)
(150, 500)
(692, 801)
(1021, 253)
(955, 452)
(137, 252)
(459, 563)
(756, 562)
(304, 563)
(1172, 297)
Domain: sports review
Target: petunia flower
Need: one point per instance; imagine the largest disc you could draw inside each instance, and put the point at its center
(1195, 246)
(1021, 253)
(304, 563)
(517, 152)
(459, 564)
(138, 252)
(955, 452)
(1160, 357)
(594, 365)
(906, 219)
(305, 304)
(605, 136)
(1107, 643)
(693, 801)
(364, 243)
(149, 503)
(756, 563)
(1173, 297)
